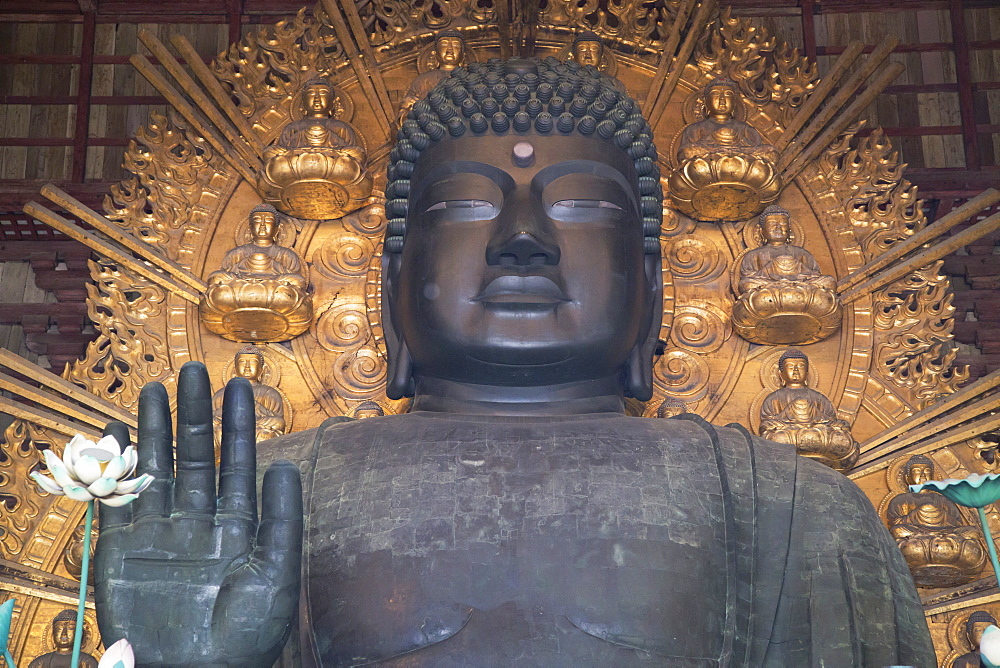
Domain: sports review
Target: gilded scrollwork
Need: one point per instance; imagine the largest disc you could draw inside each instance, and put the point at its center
(168, 162)
(641, 25)
(395, 21)
(681, 375)
(915, 351)
(266, 69)
(693, 257)
(700, 326)
(19, 501)
(765, 68)
(130, 349)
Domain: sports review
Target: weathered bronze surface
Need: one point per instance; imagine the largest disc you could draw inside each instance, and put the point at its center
(261, 292)
(516, 515)
(185, 201)
(783, 297)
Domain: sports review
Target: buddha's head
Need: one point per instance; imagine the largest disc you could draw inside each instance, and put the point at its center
(775, 225)
(450, 49)
(977, 623)
(793, 367)
(263, 224)
(249, 363)
(63, 626)
(918, 470)
(721, 98)
(588, 49)
(522, 248)
(318, 99)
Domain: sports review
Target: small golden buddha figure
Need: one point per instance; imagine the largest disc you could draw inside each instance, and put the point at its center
(367, 409)
(974, 627)
(63, 626)
(261, 292)
(316, 169)
(940, 546)
(270, 406)
(799, 415)
(434, 64)
(783, 297)
(725, 168)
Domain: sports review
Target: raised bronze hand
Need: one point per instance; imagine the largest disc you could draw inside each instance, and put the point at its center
(188, 577)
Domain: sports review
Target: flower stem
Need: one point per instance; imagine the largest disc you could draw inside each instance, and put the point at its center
(78, 631)
(989, 544)
(9, 659)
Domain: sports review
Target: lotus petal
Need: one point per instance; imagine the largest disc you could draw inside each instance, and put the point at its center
(975, 491)
(115, 468)
(102, 487)
(989, 647)
(135, 485)
(88, 469)
(62, 476)
(78, 493)
(110, 444)
(47, 484)
(116, 501)
(131, 459)
(119, 655)
(71, 454)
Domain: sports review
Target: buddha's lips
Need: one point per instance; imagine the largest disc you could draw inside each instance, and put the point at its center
(536, 289)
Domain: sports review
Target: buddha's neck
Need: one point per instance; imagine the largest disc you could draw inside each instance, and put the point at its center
(603, 395)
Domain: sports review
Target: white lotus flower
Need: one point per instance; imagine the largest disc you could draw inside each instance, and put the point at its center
(89, 471)
(989, 647)
(118, 655)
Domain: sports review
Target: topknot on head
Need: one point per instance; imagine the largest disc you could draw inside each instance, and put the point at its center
(264, 208)
(522, 96)
(65, 616)
(978, 617)
(587, 36)
(721, 81)
(317, 81)
(450, 32)
(917, 460)
(792, 354)
(774, 210)
(251, 349)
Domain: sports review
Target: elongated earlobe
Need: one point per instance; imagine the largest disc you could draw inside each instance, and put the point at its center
(639, 367)
(399, 382)
(400, 373)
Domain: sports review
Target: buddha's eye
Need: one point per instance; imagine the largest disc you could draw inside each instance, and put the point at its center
(586, 204)
(464, 204)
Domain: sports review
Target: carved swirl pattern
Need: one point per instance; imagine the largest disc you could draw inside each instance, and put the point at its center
(369, 221)
(346, 255)
(694, 258)
(343, 326)
(359, 373)
(674, 224)
(700, 327)
(681, 375)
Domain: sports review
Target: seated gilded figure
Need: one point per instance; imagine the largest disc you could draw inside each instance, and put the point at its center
(941, 547)
(316, 169)
(798, 415)
(783, 297)
(63, 626)
(261, 292)
(516, 516)
(725, 168)
(269, 406)
(434, 64)
(977, 622)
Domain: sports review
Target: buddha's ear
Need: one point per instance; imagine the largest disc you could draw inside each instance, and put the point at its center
(399, 381)
(639, 368)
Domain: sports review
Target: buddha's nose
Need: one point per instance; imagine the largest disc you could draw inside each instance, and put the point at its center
(522, 249)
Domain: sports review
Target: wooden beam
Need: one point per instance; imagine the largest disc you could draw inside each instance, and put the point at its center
(963, 74)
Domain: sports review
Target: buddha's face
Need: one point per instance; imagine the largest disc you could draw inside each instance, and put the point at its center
(449, 51)
(588, 52)
(794, 371)
(976, 633)
(919, 473)
(368, 413)
(775, 229)
(263, 225)
(522, 276)
(317, 100)
(62, 634)
(721, 101)
(248, 366)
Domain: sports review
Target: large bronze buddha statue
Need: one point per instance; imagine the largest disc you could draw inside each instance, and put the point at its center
(516, 516)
